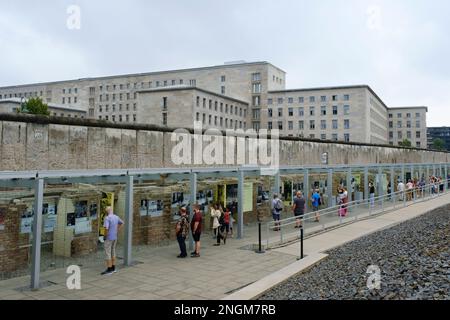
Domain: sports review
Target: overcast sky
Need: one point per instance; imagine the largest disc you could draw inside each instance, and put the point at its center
(400, 48)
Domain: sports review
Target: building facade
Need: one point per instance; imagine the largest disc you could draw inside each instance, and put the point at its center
(257, 89)
(438, 133)
(11, 105)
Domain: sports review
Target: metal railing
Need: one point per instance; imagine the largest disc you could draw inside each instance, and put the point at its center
(351, 211)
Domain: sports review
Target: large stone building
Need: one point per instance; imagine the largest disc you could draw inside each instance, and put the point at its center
(10, 105)
(234, 95)
(434, 133)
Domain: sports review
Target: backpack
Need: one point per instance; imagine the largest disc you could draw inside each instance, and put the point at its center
(278, 206)
(226, 217)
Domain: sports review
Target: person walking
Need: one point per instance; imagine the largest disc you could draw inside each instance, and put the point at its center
(315, 201)
(112, 225)
(299, 209)
(277, 208)
(401, 189)
(409, 190)
(372, 194)
(182, 230)
(196, 228)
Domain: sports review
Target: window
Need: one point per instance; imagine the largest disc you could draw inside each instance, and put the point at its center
(312, 124)
(418, 144)
(335, 98)
(323, 124)
(100, 108)
(346, 137)
(197, 103)
(391, 124)
(113, 107)
(222, 89)
(418, 124)
(100, 117)
(64, 91)
(391, 135)
(417, 115)
(256, 76)
(269, 101)
(222, 78)
(335, 124)
(255, 114)
(128, 96)
(346, 97)
(323, 110)
(280, 125)
(164, 102)
(113, 118)
(280, 100)
(240, 112)
(290, 100)
(269, 125)
(290, 125)
(134, 106)
(346, 124)
(301, 111)
(127, 118)
(311, 111)
(221, 107)
(134, 118)
(301, 100)
(399, 135)
(256, 100)
(346, 109)
(408, 124)
(256, 87)
(335, 110)
(323, 98)
(408, 135)
(269, 113)
(390, 115)
(68, 100)
(128, 107)
(209, 119)
(280, 112)
(64, 100)
(301, 125)
(226, 108)
(291, 112)
(399, 124)
(204, 103)
(120, 118)
(312, 99)
(408, 115)
(215, 120)
(323, 136)
(210, 104)
(173, 82)
(221, 121)
(235, 110)
(106, 108)
(164, 119)
(399, 115)
(204, 118)
(334, 137)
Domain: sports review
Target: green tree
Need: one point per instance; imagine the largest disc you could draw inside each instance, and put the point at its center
(438, 144)
(405, 143)
(35, 106)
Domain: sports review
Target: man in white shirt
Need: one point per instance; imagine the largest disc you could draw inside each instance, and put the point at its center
(401, 189)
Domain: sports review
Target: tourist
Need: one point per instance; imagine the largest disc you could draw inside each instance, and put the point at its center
(196, 228)
(409, 190)
(215, 214)
(232, 220)
(222, 231)
(299, 209)
(112, 225)
(182, 230)
(315, 201)
(372, 194)
(401, 190)
(277, 208)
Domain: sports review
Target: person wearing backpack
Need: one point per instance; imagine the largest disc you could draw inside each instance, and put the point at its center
(277, 208)
(182, 230)
(221, 234)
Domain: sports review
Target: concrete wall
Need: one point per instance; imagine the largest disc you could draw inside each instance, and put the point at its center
(51, 146)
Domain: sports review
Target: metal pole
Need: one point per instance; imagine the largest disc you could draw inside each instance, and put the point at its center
(392, 184)
(349, 185)
(403, 174)
(37, 232)
(330, 187)
(366, 184)
(128, 222)
(241, 203)
(445, 178)
(193, 200)
(260, 250)
(306, 186)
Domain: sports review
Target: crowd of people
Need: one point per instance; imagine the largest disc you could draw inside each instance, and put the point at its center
(415, 188)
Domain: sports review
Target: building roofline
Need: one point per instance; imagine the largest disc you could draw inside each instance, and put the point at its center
(186, 88)
(232, 65)
(360, 86)
(50, 105)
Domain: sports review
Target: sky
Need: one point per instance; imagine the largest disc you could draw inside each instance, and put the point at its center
(400, 48)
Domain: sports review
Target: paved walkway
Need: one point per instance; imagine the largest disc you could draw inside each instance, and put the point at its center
(217, 273)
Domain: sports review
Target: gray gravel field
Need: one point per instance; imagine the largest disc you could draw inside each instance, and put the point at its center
(413, 257)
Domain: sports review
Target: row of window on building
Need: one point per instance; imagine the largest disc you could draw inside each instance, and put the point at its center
(323, 136)
(400, 135)
(24, 94)
(69, 100)
(400, 115)
(119, 96)
(400, 124)
(220, 121)
(311, 111)
(66, 115)
(142, 85)
(312, 125)
(118, 118)
(312, 99)
(217, 106)
(69, 91)
(106, 108)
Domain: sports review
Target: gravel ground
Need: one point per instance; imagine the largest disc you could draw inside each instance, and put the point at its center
(413, 257)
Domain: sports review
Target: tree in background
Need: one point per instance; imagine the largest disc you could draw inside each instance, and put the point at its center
(405, 143)
(438, 144)
(35, 106)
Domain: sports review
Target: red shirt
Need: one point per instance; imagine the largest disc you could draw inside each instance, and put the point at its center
(197, 218)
